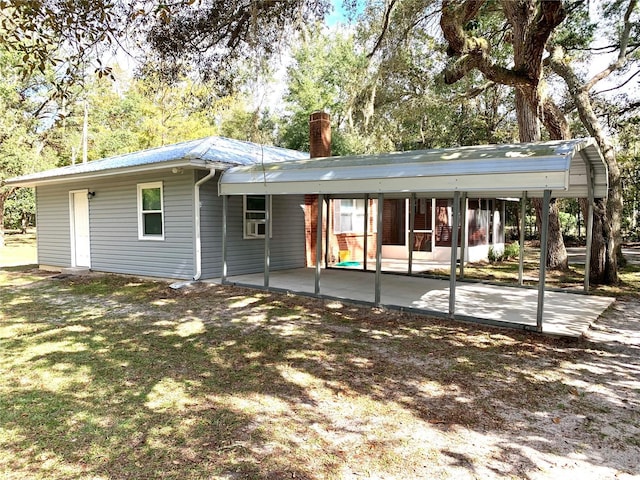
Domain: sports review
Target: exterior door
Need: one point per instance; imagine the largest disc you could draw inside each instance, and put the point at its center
(423, 227)
(80, 241)
(394, 228)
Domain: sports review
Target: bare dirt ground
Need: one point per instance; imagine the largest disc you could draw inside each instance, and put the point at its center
(605, 377)
(587, 426)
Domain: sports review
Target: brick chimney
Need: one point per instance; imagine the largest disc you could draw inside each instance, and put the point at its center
(319, 146)
(319, 134)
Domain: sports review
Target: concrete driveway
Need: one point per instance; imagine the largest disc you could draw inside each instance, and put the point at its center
(565, 314)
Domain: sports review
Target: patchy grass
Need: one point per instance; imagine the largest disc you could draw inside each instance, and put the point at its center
(507, 272)
(110, 377)
(19, 249)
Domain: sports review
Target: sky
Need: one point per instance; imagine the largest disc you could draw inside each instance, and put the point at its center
(338, 15)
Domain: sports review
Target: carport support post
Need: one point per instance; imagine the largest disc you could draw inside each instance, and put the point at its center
(544, 238)
(225, 208)
(463, 234)
(365, 243)
(587, 258)
(523, 225)
(412, 224)
(319, 243)
(454, 253)
(267, 238)
(379, 249)
(326, 233)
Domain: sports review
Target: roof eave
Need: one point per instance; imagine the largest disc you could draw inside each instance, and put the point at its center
(181, 163)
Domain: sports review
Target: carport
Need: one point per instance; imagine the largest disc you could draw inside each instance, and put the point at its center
(569, 169)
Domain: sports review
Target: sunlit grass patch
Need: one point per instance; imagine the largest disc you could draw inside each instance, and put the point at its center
(629, 277)
(17, 276)
(18, 250)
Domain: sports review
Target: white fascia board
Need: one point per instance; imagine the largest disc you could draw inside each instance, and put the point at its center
(198, 164)
(339, 169)
(506, 182)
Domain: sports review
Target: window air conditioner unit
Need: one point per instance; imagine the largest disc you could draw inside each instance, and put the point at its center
(256, 228)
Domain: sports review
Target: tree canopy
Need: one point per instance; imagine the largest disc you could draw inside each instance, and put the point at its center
(405, 74)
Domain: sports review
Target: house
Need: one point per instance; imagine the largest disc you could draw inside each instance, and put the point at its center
(136, 214)
(560, 169)
(157, 213)
(217, 207)
(415, 226)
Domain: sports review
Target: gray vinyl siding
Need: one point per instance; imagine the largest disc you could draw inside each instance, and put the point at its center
(211, 228)
(113, 217)
(113, 220)
(288, 243)
(247, 255)
(53, 235)
(115, 246)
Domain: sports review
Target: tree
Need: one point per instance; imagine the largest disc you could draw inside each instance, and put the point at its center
(214, 35)
(390, 101)
(629, 160)
(20, 209)
(62, 35)
(412, 101)
(606, 250)
(529, 24)
(19, 146)
(547, 33)
(206, 37)
(326, 73)
(135, 114)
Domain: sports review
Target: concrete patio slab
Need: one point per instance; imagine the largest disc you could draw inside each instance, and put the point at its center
(565, 314)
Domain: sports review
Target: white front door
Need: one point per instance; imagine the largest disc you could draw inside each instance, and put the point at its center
(80, 242)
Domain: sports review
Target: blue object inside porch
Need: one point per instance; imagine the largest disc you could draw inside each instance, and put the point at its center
(349, 264)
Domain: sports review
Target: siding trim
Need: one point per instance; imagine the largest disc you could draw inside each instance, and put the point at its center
(141, 233)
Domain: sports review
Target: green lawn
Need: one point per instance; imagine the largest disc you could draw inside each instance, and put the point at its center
(19, 249)
(109, 377)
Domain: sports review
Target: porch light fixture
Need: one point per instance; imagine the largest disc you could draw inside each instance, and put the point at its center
(90, 195)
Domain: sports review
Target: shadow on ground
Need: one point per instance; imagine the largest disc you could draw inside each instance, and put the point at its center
(110, 377)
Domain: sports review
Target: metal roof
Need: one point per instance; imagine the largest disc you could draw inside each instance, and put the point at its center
(482, 171)
(217, 152)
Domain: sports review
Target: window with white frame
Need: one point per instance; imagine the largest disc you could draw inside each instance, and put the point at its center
(150, 211)
(348, 215)
(255, 216)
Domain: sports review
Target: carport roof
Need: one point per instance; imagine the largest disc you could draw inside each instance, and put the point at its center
(481, 171)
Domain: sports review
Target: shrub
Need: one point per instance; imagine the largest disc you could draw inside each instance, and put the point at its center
(495, 255)
(512, 250)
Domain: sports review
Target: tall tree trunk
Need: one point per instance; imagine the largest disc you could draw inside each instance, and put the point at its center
(606, 250)
(529, 131)
(557, 258)
(528, 124)
(532, 23)
(528, 104)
